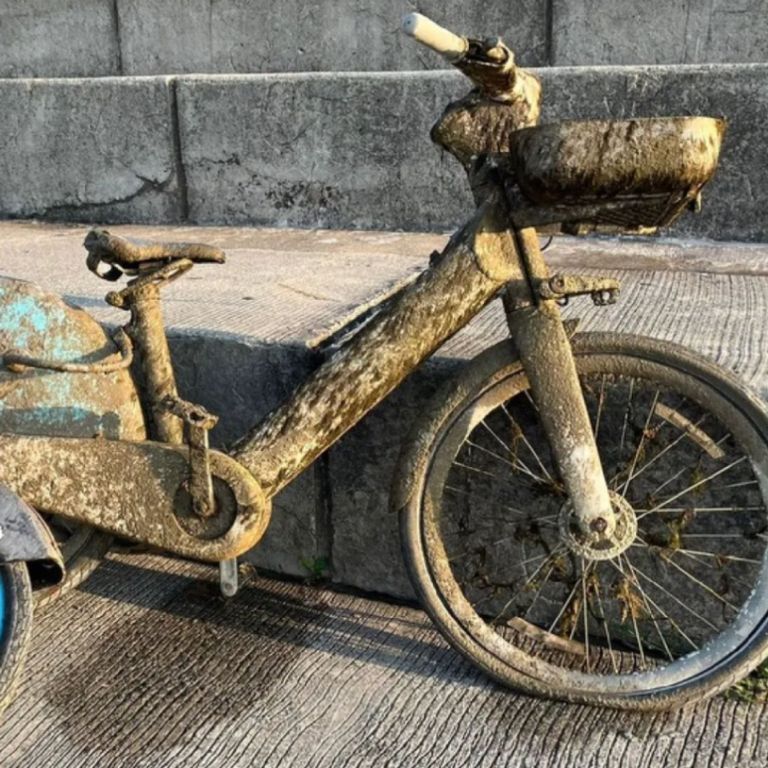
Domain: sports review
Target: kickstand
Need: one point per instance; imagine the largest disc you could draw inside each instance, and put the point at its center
(228, 577)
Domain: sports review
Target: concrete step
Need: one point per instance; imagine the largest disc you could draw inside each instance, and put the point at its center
(81, 38)
(332, 150)
(245, 333)
(146, 666)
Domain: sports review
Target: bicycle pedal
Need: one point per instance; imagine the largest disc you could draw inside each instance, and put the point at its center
(228, 577)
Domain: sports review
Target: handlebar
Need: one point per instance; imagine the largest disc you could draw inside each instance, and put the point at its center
(439, 39)
(488, 63)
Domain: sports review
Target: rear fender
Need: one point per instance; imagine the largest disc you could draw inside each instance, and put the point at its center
(24, 537)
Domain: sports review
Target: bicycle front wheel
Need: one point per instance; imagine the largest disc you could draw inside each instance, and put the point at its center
(673, 606)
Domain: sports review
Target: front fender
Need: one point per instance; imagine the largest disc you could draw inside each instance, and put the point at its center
(24, 537)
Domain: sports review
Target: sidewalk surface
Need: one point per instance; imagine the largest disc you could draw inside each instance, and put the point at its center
(147, 666)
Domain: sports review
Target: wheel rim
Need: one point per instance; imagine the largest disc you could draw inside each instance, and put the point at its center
(518, 645)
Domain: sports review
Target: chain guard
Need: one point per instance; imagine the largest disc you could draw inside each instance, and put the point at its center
(135, 490)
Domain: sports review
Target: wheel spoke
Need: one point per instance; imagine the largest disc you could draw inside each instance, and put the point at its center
(693, 486)
(640, 444)
(697, 559)
(676, 599)
(664, 450)
(519, 591)
(462, 492)
(518, 464)
(585, 612)
(626, 414)
(715, 555)
(660, 610)
(527, 444)
(634, 620)
(565, 604)
(606, 630)
(669, 480)
(743, 484)
(484, 472)
(696, 510)
(540, 589)
(698, 581)
(600, 402)
(471, 551)
(647, 606)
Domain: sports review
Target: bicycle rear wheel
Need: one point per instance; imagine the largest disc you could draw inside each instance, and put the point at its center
(82, 550)
(674, 606)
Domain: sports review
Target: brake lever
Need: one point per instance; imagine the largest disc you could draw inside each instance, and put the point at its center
(490, 65)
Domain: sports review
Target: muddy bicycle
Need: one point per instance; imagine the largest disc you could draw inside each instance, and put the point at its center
(583, 515)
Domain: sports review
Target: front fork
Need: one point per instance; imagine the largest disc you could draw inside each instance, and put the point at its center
(545, 352)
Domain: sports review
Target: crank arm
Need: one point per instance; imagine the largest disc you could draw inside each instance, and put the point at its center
(138, 491)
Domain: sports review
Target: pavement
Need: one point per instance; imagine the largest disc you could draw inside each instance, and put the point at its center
(146, 666)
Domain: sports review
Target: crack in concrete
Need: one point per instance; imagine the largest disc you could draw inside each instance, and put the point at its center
(115, 10)
(178, 152)
(65, 209)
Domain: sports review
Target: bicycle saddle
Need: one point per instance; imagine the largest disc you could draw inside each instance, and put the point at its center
(131, 256)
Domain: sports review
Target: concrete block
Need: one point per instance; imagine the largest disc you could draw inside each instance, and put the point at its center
(174, 36)
(658, 32)
(353, 150)
(98, 150)
(159, 37)
(242, 381)
(320, 150)
(67, 38)
(366, 549)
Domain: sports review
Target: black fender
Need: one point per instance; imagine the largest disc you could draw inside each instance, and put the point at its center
(24, 537)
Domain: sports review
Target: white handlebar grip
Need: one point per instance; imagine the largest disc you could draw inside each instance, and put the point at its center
(434, 36)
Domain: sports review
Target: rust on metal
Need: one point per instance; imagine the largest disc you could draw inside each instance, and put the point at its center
(545, 353)
(198, 423)
(148, 333)
(477, 125)
(603, 290)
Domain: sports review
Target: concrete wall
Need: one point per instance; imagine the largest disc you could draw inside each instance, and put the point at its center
(136, 37)
(328, 150)
(90, 149)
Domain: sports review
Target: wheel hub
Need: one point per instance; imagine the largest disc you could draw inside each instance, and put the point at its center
(597, 545)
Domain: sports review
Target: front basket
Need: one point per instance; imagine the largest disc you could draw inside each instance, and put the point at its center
(623, 174)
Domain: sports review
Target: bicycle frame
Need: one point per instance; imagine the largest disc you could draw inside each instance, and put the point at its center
(484, 258)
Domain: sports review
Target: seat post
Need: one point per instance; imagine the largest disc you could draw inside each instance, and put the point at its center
(159, 382)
